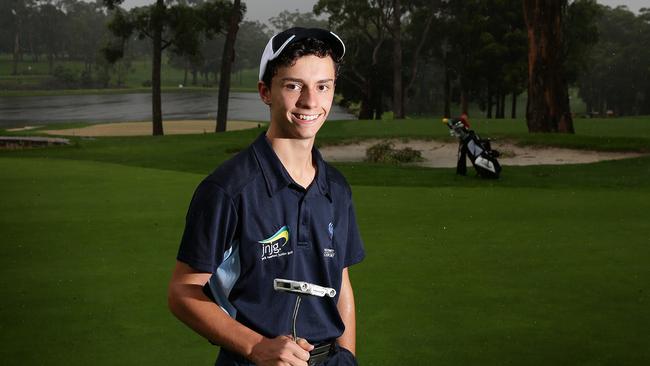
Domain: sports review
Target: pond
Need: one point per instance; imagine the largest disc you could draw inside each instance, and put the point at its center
(23, 111)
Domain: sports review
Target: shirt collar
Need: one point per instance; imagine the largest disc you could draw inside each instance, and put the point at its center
(321, 173)
(277, 177)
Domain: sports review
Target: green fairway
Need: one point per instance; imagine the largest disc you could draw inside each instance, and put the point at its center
(522, 276)
(86, 251)
(546, 266)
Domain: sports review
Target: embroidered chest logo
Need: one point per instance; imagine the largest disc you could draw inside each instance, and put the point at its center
(329, 253)
(273, 246)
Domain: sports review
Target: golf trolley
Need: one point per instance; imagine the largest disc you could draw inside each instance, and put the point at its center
(320, 352)
(472, 146)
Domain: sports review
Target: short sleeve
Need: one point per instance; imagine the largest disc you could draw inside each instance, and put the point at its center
(210, 227)
(355, 251)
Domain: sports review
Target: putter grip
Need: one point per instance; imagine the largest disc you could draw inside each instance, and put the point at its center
(320, 353)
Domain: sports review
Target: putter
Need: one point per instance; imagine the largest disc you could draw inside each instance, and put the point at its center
(301, 289)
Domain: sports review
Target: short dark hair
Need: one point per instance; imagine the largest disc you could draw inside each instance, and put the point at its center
(288, 57)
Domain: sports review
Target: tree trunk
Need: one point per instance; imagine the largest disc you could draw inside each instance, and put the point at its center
(447, 112)
(464, 103)
(156, 104)
(378, 106)
(513, 107)
(501, 113)
(418, 49)
(366, 106)
(645, 107)
(499, 105)
(365, 109)
(185, 71)
(106, 80)
(226, 67)
(489, 103)
(398, 100)
(548, 99)
(16, 49)
(30, 40)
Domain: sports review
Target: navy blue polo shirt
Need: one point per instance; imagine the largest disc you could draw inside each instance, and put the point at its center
(249, 223)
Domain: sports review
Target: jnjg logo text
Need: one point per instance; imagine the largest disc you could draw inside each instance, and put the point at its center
(274, 246)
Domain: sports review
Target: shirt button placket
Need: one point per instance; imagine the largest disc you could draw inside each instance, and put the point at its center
(303, 233)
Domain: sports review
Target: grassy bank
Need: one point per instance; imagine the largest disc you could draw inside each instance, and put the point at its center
(547, 265)
(200, 153)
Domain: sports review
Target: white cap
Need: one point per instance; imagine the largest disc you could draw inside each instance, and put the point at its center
(280, 41)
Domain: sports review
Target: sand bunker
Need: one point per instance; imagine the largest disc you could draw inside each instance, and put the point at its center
(144, 128)
(440, 154)
(436, 154)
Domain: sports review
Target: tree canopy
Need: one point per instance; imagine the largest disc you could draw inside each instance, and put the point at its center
(166, 23)
(615, 76)
(429, 57)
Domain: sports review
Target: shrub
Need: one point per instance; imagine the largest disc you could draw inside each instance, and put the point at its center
(86, 79)
(385, 152)
(65, 77)
(379, 153)
(407, 155)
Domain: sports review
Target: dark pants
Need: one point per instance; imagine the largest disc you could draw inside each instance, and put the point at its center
(341, 357)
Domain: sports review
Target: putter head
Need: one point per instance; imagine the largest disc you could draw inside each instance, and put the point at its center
(302, 288)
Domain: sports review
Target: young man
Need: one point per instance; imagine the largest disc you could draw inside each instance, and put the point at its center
(275, 210)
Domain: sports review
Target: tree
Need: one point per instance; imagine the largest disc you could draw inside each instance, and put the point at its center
(581, 34)
(403, 15)
(363, 26)
(617, 75)
(431, 71)
(289, 19)
(236, 15)
(548, 99)
(50, 23)
(418, 32)
(86, 30)
(14, 15)
(501, 57)
(165, 24)
(465, 26)
(251, 38)
(515, 68)
(396, 31)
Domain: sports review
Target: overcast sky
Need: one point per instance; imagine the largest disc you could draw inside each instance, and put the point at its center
(262, 10)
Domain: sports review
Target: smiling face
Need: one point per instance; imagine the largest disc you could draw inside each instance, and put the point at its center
(300, 97)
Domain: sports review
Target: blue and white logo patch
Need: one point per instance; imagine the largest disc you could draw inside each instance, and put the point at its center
(329, 253)
(330, 230)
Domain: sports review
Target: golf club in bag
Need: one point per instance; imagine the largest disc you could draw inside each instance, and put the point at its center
(472, 146)
(320, 352)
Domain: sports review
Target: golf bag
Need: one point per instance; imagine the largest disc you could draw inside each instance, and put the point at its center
(472, 146)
